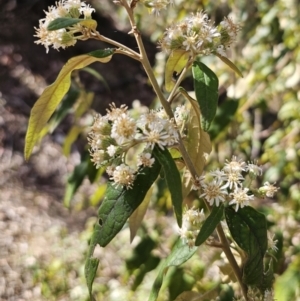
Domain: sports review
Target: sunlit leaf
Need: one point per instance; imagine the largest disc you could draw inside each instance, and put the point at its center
(195, 296)
(287, 284)
(175, 63)
(89, 23)
(210, 224)
(230, 64)
(71, 137)
(206, 86)
(198, 146)
(173, 179)
(137, 216)
(63, 109)
(98, 195)
(180, 253)
(53, 94)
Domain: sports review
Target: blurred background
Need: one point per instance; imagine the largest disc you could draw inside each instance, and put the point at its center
(48, 205)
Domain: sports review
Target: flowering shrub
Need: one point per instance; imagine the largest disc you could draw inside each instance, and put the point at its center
(136, 149)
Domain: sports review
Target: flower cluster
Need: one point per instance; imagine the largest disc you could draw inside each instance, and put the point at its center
(156, 5)
(197, 34)
(192, 221)
(66, 36)
(228, 184)
(114, 134)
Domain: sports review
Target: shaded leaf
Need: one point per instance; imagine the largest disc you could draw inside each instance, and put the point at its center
(175, 63)
(206, 85)
(268, 278)
(76, 178)
(97, 75)
(249, 230)
(225, 114)
(53, 94)
(180, 253)
(210, 224)
(230, 64)
(173, 179)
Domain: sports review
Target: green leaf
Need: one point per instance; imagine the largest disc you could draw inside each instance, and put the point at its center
(249, 230)
(53, 94)
(60, 23)
(120, 203)
(76, 178)
(268, 278)
(90, 270)
(230, 64)
(173, 179)
(225, 114)
(117, 206)
(286, 286)
(210, 224)
(180, 253)
(206, 85)
(175, 63)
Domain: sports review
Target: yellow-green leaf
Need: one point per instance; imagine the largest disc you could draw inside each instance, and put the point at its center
(137, 216)
(89, 23)
(53, 94)
(73, 134)
(198, 146)
(83, 103)
(230, 64)
(176, 62)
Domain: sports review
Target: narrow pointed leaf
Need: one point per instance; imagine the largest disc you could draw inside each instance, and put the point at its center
(137, 216)
(230, 64)
(198, 146)
(206, 85)
(90, 270)
(65, 22)
(173, 179)
(249, 229)
(176, 62)
(53, 94)
(210, 224)
(180, 253)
